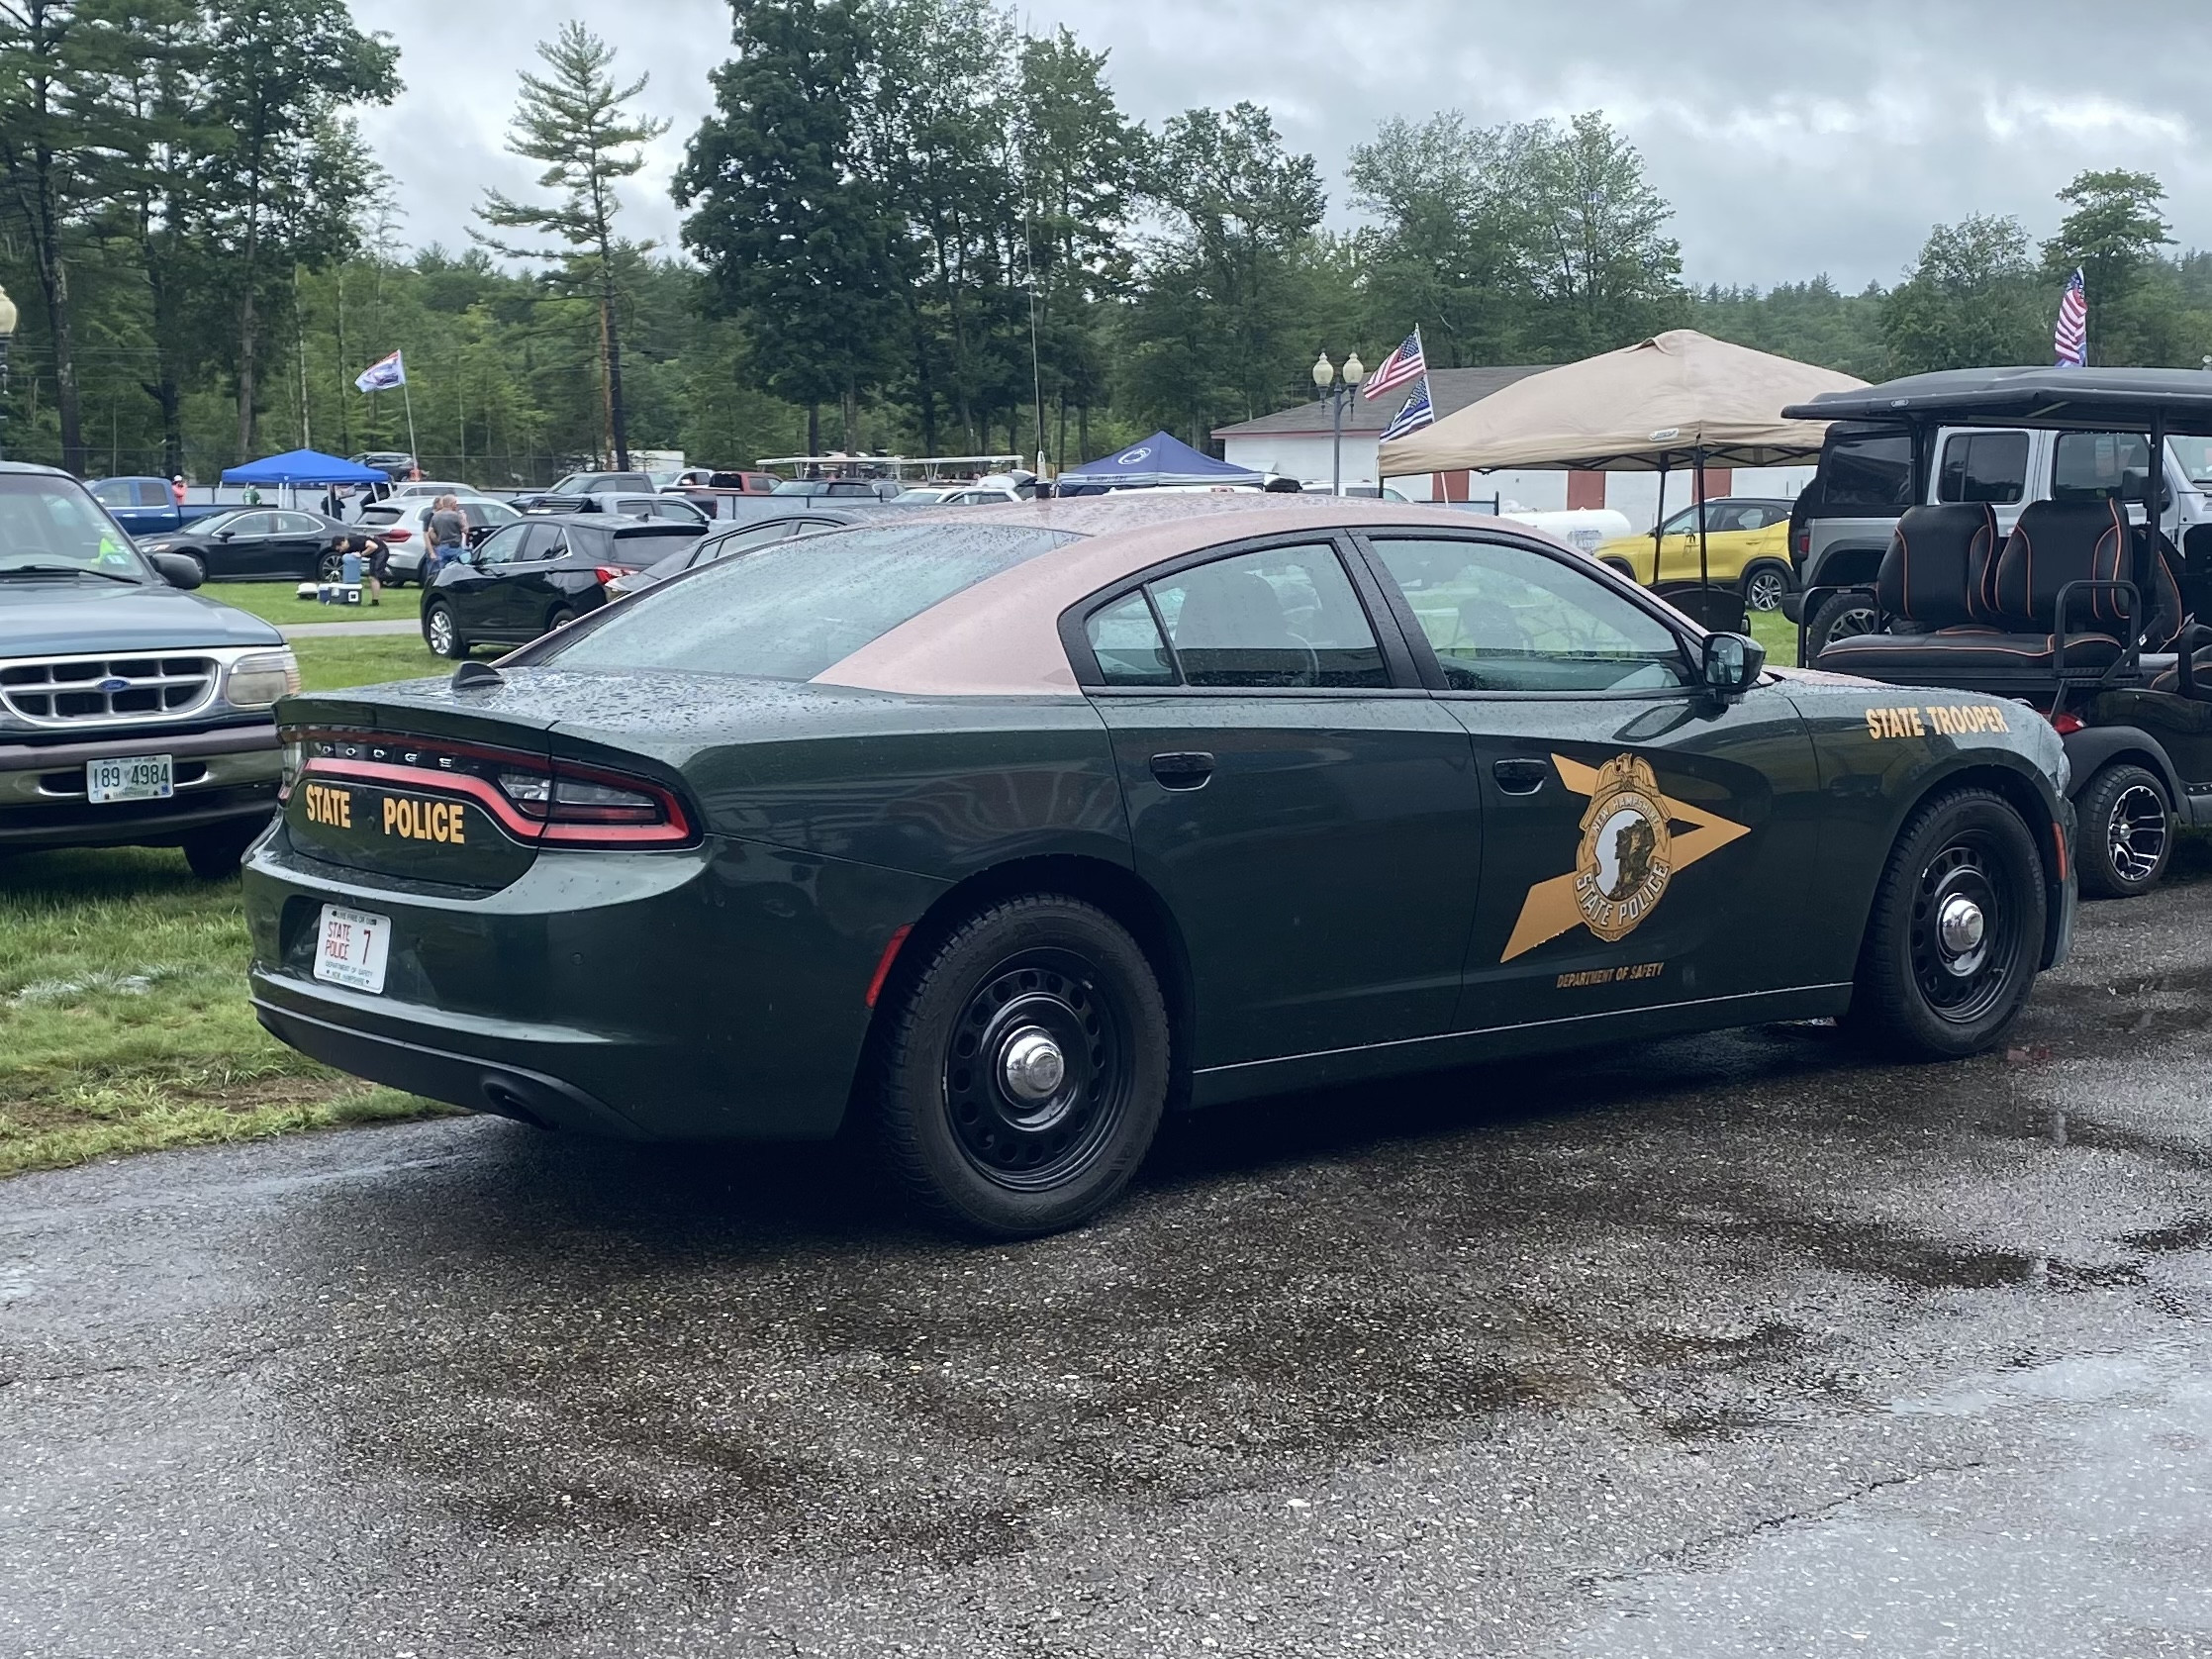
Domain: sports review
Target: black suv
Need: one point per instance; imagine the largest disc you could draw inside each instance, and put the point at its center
(131, 713)
(529, 578)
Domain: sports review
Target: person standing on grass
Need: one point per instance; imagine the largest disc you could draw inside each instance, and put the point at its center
(449, 529)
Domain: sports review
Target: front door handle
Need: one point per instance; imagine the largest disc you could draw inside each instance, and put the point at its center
(1183, 770)
(1519, 777)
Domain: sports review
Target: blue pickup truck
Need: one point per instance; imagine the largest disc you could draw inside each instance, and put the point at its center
(148, 506)
(131, 713)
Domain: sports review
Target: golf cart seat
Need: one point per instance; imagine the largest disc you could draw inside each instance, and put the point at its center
(1991, 612)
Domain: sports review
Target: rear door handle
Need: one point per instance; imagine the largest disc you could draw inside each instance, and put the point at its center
(1519, 777)
(1188, 770)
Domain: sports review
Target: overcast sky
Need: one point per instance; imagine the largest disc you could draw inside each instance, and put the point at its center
(1791, 137)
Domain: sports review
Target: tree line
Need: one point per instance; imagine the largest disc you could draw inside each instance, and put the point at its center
(908, 225)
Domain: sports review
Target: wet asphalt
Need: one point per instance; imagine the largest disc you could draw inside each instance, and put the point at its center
(1733, 1346)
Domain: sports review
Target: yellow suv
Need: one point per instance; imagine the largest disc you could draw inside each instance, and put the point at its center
(1747, 542)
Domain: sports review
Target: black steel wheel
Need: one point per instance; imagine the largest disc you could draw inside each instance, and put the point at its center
(1022, 1071)
(2126, 830)
(442, 633)
(1841, 617)
(1956, 931)
(1763, 587)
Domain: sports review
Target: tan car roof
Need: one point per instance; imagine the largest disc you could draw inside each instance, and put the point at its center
(1001, 636)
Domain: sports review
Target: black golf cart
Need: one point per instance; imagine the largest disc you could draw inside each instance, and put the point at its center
(2084, 608)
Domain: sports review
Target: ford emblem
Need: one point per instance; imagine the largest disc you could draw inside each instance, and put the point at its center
(115, 685)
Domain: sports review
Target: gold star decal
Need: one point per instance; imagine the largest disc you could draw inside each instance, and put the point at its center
(1630, 851)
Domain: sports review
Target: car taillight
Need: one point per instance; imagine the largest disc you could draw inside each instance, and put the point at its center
(396, 534)
(579, 807)
(2065, 726)
(1804, 542)
(608, 572)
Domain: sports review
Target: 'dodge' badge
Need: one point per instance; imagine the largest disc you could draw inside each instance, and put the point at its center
(1629, 852)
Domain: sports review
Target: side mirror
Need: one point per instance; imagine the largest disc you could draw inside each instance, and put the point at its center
(225, 534)
(1732, 663)
(176, 570)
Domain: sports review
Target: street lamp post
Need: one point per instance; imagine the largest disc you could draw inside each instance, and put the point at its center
(7, 339)
(1339, 389)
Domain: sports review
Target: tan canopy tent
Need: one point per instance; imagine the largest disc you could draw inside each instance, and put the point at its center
(1679, 399)
(1645, 407)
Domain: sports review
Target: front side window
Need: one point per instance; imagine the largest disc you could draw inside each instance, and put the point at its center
(501, 546)
(250, 524)
(1988, 467)
(1502, 617)
(2094, 466)
(1282, 617)
(793, 609)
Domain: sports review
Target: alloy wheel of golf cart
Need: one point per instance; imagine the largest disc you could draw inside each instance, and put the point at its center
(2126, 832)
(1763, 588)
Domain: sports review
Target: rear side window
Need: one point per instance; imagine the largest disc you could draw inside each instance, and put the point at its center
(2092, 465)
(1985, 466)
(1126, 641)
(1872, 469)
(794, 609)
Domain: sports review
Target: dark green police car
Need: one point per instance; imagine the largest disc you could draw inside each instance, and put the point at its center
(1003, 828)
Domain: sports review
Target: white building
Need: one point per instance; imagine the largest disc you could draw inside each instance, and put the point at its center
(1298, 443)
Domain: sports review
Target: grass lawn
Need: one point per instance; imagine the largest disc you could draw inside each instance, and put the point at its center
(1779, 635)
(124, 1024)
(332, 664)
(277, 602)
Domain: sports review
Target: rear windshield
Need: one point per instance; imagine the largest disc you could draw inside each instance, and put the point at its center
(790, 610)
(1864, 469)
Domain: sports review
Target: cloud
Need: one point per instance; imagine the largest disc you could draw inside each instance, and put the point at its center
(1791, 138)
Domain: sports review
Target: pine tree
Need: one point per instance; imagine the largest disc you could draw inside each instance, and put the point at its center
(575, 120)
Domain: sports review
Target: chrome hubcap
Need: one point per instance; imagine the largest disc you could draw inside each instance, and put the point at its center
(1032, 1065)
(2135, 833)
(1961, 926)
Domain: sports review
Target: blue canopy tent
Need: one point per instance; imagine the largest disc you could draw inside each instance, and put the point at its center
(304, 467)
(1158, 459)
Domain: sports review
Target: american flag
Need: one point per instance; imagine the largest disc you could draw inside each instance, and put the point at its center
(2071, 339)
(1416, 413)
(1403, 364)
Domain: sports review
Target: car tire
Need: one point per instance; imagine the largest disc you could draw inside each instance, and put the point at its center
(1765, 585)
(560, 617)
(972, 1122)
(2127, 831)
(329, 566)
(1956, 935)
(215, 854)
(1620, 568)
(1841, 616)
(442, 632)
